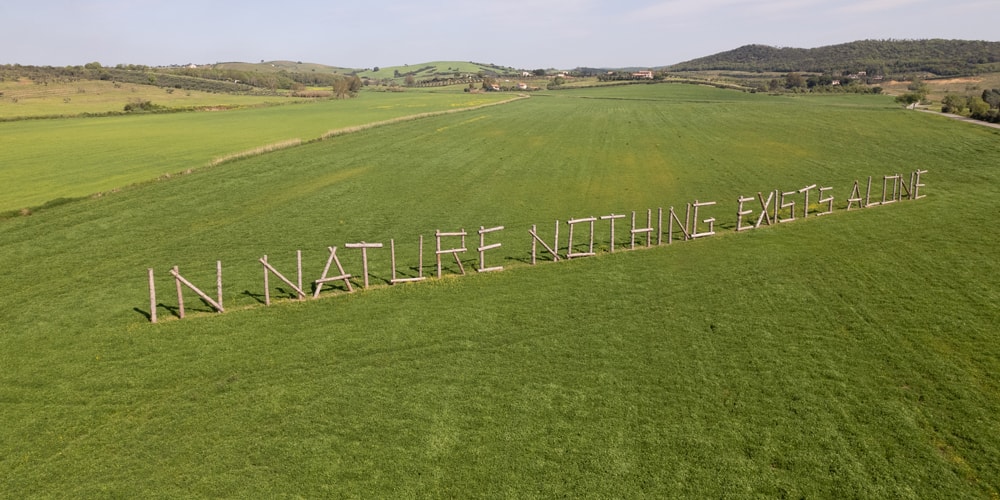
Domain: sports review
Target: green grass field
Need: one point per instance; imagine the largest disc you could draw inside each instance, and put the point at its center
(25, 98)
(850, 355)
(44, 160)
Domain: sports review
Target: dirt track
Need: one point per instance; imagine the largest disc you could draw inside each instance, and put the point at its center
(962, 118)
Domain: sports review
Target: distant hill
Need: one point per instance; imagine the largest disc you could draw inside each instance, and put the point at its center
(437, 69)
(883, 57)
(277, 66)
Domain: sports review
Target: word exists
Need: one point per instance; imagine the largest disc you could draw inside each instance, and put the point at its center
(777, 207)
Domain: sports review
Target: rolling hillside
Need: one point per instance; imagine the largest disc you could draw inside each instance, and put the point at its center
(883, 57)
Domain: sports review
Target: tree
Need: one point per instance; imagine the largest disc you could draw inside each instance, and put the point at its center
(978, 108)
(909, 99)
(539, 72)
(992, 97)
(918, 86)
(409, 80)
(794, 81)
(953, 103)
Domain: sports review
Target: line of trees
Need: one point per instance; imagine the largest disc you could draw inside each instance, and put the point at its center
(826, 82)
(206, 79)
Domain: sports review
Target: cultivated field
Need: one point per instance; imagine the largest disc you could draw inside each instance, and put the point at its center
(848, 355)
(44, 160)
(25, 98)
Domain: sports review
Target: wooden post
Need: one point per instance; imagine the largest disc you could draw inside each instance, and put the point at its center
(904, 186)
(324, 279)
(218, 280)
(765, 206)
(152, 297)
(483, 247)
(885, 189)
(710, 221)
(420, 270)
(659, 226)
(364, 255)
(297, 287)
(917, 185)
(180, 293)
(868, 194)
(805, 211)
(453, 251)
(648, 229)
(740, 213)
(855, 196)
(267, 288)
(685, 228)
(180, 280)
(782, 205)
(828, 200)
(776, 204)
(535, 239)
(612, 218)
(590, 249)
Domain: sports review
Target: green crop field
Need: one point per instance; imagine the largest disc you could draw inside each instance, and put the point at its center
(849, 355)
(44, 160)
(24, 98)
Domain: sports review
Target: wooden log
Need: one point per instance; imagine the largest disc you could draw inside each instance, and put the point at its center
(648, 230)
(453, 251)
(685, 229)
(710, 221)
(180, 279)
(885, 189)
(765, 206)
(917, 185)
(612, 218)
(590, 249)
(649, 227)
(659, 226)
(180, 293)
(152, 297)
(346, 278)
(777, 193)
(535, 239)
(828, 200)
(392, 253)
(267, 288)
(855, 196)
(868, 194)
(297, 287)
(364, 255)
(483, 247)
(805, 211)
(904, 186)
(218, 280)
(782, 205)
(740, 213)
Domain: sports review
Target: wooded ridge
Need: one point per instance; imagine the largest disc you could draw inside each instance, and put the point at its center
(880, 57)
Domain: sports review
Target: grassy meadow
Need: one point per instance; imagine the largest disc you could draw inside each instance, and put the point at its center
(25, 98)
(45, 160)
(849, 355)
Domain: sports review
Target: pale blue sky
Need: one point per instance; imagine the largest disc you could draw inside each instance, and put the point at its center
(520, 33)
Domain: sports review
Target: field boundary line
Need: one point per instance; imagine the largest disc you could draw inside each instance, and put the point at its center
(358, 128)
